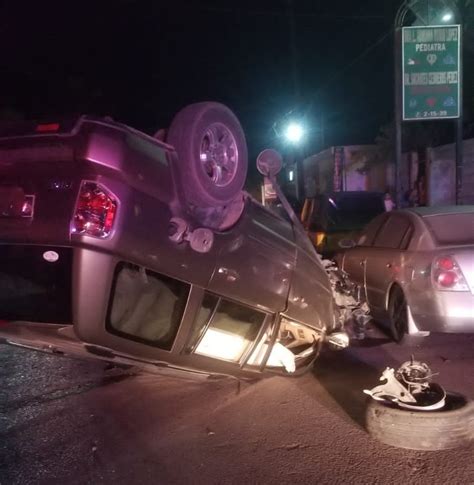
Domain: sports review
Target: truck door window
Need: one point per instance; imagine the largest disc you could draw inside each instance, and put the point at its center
(146, 306)
(229, 331)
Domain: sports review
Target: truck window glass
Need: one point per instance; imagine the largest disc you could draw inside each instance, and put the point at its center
(202, 320)
(146, 306)
(232, 329)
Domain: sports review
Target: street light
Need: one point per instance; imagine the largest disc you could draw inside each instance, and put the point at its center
(447, 17)
(294, 132)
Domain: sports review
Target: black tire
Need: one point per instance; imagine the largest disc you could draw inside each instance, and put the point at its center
(213, 131)
(398, 314)
(450, 427)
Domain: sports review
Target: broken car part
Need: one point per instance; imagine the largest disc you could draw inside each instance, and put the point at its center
(410, 387)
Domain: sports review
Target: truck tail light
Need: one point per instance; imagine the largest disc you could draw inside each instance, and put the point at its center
(447, 275)
(95, 211)
(47, 127)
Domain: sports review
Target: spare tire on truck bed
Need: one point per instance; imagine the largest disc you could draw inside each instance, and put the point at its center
(212, 154)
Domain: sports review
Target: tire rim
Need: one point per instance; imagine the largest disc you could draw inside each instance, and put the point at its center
(431, 399)
(219, 154)
(399, 315)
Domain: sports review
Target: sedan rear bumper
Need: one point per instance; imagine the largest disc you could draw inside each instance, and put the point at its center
(450, 312)
(435, 323)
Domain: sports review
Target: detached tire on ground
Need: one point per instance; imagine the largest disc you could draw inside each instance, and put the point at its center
(450, 427)
(212, 153)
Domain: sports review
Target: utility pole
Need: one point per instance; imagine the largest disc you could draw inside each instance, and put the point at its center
(295, 151)
(459, 135)
(398, 112)
(293, 51)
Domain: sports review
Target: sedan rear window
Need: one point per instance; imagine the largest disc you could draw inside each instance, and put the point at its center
(452, 229)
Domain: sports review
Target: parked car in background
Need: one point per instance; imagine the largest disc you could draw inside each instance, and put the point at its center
(417, 269)
(330, 217)
(118, 246)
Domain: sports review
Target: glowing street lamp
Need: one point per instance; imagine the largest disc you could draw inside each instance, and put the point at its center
(447, 17)
(294, 133)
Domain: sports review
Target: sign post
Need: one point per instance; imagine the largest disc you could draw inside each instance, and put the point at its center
(431, 72)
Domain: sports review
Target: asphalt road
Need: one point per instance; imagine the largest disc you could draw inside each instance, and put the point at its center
(79, 422)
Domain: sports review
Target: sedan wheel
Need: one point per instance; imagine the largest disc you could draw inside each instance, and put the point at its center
(398, 314)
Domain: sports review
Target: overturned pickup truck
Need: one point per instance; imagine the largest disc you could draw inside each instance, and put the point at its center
(119, 246)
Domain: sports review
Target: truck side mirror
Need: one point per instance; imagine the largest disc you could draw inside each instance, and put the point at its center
(269, 162)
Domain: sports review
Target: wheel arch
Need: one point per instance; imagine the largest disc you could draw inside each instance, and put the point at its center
(392, 286)
(403, 286)
(413, 328)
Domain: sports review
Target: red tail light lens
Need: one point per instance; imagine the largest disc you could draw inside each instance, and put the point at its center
(447, 279)
(95, 211)
(445, 263)
(47, 127)
(447, 275)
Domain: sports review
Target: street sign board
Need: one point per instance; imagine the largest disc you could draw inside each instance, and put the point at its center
(431, 72)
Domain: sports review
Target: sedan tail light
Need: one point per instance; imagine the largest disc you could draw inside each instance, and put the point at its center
(95, 211)
(447, 275)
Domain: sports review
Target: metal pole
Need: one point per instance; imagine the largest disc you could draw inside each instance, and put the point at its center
(296, 157)
(294, 50)
(459, 161)
(459, 131)
(398, 114)
(299, 159)
(321, 131)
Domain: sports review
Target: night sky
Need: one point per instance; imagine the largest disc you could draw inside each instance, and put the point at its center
(141, 61)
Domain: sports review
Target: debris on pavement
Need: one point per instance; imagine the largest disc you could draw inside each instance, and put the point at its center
(410, 387)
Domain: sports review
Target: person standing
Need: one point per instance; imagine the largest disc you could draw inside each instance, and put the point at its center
(388, 202)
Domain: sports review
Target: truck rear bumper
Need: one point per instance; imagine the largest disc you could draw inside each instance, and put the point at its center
(36, 283)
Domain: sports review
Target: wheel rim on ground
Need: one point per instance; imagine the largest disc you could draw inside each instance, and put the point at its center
(219, 154)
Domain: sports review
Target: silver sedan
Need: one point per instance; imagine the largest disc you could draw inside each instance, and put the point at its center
(416, 267)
